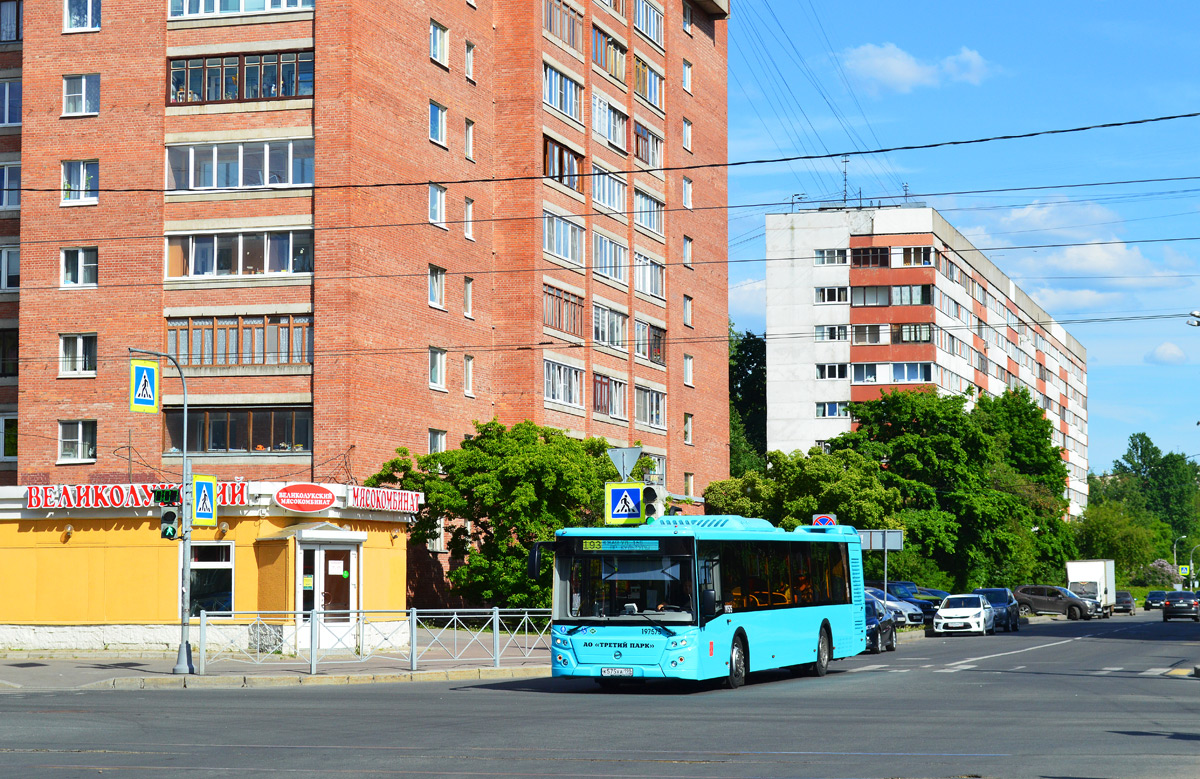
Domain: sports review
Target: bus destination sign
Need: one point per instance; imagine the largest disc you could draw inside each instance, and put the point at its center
(619, 545)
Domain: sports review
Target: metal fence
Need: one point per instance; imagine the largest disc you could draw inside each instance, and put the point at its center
(412, 637)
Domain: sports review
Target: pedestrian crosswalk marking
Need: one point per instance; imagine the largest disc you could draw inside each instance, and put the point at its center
(867, 668)
(955, 669)
(1154, 672)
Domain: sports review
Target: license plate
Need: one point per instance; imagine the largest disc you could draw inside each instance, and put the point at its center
(956, 624)
(616, 672)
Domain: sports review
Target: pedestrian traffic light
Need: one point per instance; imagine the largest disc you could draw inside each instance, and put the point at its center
(654, 498)
(168, 526)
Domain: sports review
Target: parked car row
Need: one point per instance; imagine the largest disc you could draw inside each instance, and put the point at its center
(1041, 599)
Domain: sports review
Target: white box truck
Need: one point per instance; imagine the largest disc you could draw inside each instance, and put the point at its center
(1095, 579)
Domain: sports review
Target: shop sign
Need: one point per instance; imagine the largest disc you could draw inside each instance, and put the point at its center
(117, 496)
(376, 499)
(307, 498)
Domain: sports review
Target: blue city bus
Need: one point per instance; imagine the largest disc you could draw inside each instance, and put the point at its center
(703, 597)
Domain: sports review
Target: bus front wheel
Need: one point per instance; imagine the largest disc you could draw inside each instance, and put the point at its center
(737, 665)
(821, 666)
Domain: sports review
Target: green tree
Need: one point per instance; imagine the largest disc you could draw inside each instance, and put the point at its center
(748, 387)
(743, 458)
(1117, 531)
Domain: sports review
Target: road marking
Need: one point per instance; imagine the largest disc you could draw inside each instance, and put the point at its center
(900, 670)
(954, 668)
(866, 668)
(1154, 672)
(1106, 671)
(1179, 672)
(928, 666)
(1018, 668)
(1014, 652)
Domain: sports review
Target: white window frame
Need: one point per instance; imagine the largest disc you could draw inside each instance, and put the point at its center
(610, 121)
(468, 297)
(223, 565)
(10, 186)
(688, 421)
(689, 483)
(686, 78)
(867, 373)
(687, 18)
(841, 407)
(648, 211)
(687, 251)
(838, 370)
(648, 20)
(469, 375)
(437, 368)
(831, 295)
(687, 134)
(74, 171)
(10, 261)
(10, 103)
(192, 156)
(560, 234)
(609, 258)
(561, 92)
(76, 364)
(687, 192)
(563, 383)
(437, 122)
(617, 407)
(268, 237)
(650, 407)
(610, 327)
(192, 8)
(78, 429)
(437, 287)
(85, 79)
(689, 370)
(76, 256)
(89, 21)
(7, 421)
(649, 275)
(437, 206)
(469, 139)
(831, 257)
(608, 189)
(469, 218)
(469, 60)
(439, 43)
(687, 310)
(437, 441)
(656, 83)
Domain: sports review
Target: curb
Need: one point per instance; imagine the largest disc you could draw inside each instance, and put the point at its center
(297, 680)
(906, 636)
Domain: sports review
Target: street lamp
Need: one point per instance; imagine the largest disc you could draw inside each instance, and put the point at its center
(1191, 570)
(1175, 556)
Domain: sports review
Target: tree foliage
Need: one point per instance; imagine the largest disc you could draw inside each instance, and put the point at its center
(747, 399)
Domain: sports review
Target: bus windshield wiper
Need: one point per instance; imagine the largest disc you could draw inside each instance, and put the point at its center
(575, 629)
(658, 625)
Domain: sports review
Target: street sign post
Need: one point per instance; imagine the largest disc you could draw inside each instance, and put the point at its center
(204, 501)
(1185, 571)
(623, 503)
(624, 458)
(885, 541)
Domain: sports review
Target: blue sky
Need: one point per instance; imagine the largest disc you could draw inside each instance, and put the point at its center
(813, 78)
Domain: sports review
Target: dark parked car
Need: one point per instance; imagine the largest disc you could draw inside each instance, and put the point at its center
(881, 629)
(907, 591)
(1004, 605)
(1154, 600)
(929, 592)
(1181, 604)
(1038, 599)
(1125, 603)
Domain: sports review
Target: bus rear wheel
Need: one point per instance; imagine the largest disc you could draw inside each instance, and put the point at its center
(821, 666)
(737, 665)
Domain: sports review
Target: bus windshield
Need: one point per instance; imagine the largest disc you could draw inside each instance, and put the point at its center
(623, 587)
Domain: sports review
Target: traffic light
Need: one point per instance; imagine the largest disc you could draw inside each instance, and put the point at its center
(168, 524)
(654, 497)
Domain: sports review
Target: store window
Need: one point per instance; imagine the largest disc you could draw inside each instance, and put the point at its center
(212, 577)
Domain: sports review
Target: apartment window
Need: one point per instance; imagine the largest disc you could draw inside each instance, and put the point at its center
(609, 121)
(648, 19)
(562, 164)
(562, 310)
(9, 345)
(240, 165)
(12, 19)
(867, 334)
(80, 266)
(564, 384)
(8, 433)
(647, 83)
(687, 77)
(649, 275)
(468, 297)
(869, 296)
(437, 368)
(647, 146)
(439, 43)
(609, 258)
(608, 54)
(689, 484)
(80, 181)
(867, 373)
(911, 256)
(648, 211)
(10, 186)
(687, 192)
(608, 326)
(831, 370)
(687, 310)
(563, 22)
(608, 189)
(912, 334)
(252, 339)
(213, 8)
(468, 217)
(10, 268)
(437, 441)
(608, 396)
(77, 354)
(687, 18)
(469, 139)
(830, 295)
(903, 372)
(687, 428)
(81, 15)
(437, 123)
(617, 5)
(914, 295)
(687, 134)
(437, 286)
(437, 205)
(689, 363)
(10, 103)
(562, 237)
(240, 254)
(469, 375)
(833, 409)
(870, 257)
(650, 342)
(563, 93)
(829, 257)
(77, 440)
(831, 332)
(274, 76)
(81, 94)
(687, 251)
(650, 407)
(241, 430)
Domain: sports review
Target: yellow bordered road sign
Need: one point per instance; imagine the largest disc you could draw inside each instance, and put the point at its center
(143, 386)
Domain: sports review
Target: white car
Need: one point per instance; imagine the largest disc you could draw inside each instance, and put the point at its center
(903, 612)
(965, 614)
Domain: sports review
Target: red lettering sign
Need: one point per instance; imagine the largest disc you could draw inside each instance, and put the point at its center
(307, 498)
(101, 496)
(375, 499)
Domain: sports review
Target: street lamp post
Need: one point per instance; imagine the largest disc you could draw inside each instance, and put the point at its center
(1174, 555)
(1191, 569)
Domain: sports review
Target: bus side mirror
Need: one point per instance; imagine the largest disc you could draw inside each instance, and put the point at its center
(708, 603)
(534, 568)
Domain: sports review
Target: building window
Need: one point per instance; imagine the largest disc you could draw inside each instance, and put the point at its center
(564, 384)
(609, 326)
(469, 375)
(240, 165)
(648, 20)
(870, 296)
(437, 368)
(469, 61)
(212, 8)
(831, 332)
(616, 5)
(437, 123)
(608, 54)
(437, 205)
(916, 256)
(610, 121)
(689, 484)
(80, 181)
(608, 396)
(867, 373)
(649, 407)
(867, 334)
(647, 83)
(689, 370)
(437, 441)
(687, 18)
(468, 217)
(76, 440)
(77, 354)
(687, 192)
(562, 310)
(275, 76)
(839, 408)
(439, 43)
(914, 295)
(870, 257)
(240, 254)
(563, 22)
(912, 334)
(687, 77)
(276, 339)
(10, 364)
(687, 310)
(909, 372)
(469, 297)
(10, 103)
(649, 275)
(83, 15)
(650, 342)
(563, 93)
(562, 164)
(81, 95)
(835, 370)
(648, 211)
(687, 251)
(469, 139)
(437, 286)
(687, 134)
(609, 258)
(687, 428)
(10, 186)
(647, 146)
(562, 238)
(10, 268)
(831, 294)
(211, 577)
(12, 14)
(8, 433)
(240, 430)
(608, 189)
(829, 257)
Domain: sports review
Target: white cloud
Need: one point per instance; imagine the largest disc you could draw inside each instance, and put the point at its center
(1166, 353)
(1052, 299)
(966, 66)
(892, 68)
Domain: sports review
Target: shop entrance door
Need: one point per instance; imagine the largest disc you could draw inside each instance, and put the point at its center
(329, 583)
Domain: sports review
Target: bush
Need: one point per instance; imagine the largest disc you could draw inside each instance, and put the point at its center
(1159, 573)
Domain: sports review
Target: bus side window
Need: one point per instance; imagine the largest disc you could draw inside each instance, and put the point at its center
(802, 588)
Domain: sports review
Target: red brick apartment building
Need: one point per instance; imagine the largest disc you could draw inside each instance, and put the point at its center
(246, 184)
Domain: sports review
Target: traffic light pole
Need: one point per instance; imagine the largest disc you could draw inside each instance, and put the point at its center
(183, 661)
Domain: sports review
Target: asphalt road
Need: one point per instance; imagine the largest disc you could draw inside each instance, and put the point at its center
(1064, 699)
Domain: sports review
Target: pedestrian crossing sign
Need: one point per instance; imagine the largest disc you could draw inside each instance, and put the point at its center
(204, 501)
(143, 386)
(623, 503)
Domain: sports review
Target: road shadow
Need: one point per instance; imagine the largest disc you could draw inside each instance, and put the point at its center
(1165, 734)
(646, 687)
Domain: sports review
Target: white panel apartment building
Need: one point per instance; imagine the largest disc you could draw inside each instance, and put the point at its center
(864, 300)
